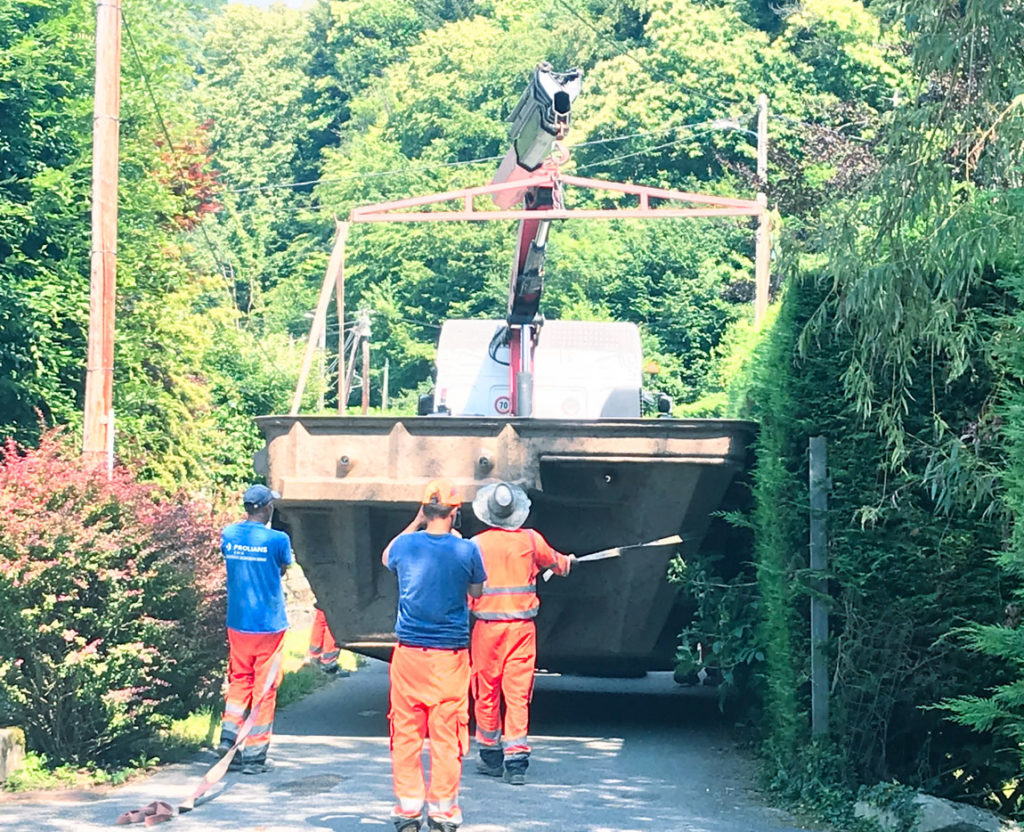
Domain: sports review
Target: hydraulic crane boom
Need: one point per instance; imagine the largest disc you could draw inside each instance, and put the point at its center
(539, 120)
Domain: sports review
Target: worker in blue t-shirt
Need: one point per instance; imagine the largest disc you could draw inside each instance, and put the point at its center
(256, 557)
(430, 664)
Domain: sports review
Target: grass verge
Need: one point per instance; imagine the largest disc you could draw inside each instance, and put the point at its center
(184, 737)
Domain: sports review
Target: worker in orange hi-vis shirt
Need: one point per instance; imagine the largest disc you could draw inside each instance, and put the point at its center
(504, 643)
(323, 650)
(430, 665)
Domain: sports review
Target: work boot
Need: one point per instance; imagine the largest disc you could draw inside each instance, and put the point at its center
(256, 765)
(515, 778)
(490, 771)
(515, 769)
(405, 824)
(223, 748)
(491, 762)
(437, 825)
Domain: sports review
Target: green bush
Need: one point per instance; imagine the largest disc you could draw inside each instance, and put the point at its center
(111, 605)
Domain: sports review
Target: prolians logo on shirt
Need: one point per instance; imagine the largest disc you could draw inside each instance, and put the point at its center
(230, 550)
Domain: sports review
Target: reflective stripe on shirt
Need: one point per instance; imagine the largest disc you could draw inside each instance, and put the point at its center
(511, 615)
(509, 590)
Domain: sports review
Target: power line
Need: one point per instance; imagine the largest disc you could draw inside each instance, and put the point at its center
(647, 133)
(710, 124)
(651, 70)
(642, 152)
(656, 73)
(358, 176)
(221, 266)
(407, 170)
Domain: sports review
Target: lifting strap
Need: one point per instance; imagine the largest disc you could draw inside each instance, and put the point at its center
(158, 811)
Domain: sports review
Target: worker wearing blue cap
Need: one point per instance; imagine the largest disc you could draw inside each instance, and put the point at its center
(256, 557)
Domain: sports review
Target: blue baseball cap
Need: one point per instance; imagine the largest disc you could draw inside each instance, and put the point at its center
(257, 496)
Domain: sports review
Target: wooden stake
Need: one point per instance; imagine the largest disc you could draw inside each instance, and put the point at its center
(98, 426)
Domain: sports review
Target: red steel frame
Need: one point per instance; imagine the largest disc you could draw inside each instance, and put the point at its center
(665, 205)
(550, 177)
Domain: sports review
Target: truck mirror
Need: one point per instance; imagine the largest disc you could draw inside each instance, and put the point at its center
(425, 405)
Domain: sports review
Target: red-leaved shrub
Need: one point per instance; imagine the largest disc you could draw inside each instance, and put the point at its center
(111, 605)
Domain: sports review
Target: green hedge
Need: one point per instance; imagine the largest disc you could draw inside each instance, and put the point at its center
(906, 577)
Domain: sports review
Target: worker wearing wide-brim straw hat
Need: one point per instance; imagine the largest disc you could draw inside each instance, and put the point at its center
(504, 641)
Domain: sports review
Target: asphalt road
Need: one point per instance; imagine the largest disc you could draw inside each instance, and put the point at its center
(609, 756)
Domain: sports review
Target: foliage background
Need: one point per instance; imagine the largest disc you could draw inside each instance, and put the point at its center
(895, 174)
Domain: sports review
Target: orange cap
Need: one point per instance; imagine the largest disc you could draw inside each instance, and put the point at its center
(441, 492)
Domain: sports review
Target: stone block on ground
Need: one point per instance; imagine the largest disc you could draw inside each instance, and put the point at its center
(937, 815)
(12, 751)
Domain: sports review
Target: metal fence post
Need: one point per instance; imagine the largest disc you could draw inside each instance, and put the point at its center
(818, 486)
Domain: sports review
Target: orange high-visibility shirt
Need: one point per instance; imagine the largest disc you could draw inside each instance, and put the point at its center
(512, 560)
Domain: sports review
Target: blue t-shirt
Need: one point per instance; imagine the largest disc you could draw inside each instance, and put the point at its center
(254, 556)
(434, 573)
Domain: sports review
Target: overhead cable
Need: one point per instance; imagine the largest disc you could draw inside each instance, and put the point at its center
(439, 165)
(222, 267)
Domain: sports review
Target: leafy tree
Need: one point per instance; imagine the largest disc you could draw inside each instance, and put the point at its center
(44, 177)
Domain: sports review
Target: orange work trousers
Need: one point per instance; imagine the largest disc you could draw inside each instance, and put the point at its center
(429, 698)
(250, 658)
(504, 655)
(323, 651)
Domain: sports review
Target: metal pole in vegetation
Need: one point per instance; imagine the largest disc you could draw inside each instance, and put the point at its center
(384, 386)
(320, 314)
(98, 426)
(818, 486)
(350, 372)
(339, 297)
(364, 330)
(321, 351)
(762, 265)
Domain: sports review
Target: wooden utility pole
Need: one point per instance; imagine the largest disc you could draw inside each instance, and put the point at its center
(818, 487)
(762, 263)
(98, 424)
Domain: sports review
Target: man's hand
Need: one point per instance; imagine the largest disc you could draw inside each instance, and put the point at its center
(418, 522)
(572, 560)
